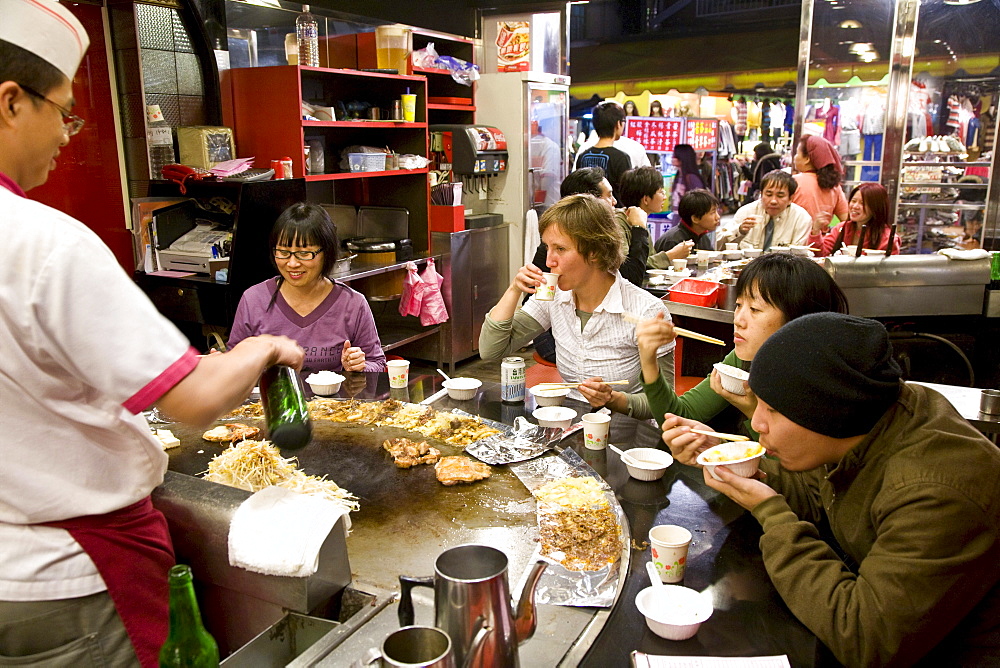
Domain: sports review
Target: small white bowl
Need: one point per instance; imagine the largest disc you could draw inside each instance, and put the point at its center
(325, 383)
(550, 397)
(651, 463)
(734, 458)
(673, 612)
(873, 253)
(462, 389)
(657, 272)
(805, 251)
(848, 250)
(732, 378)
(781, 249)
(752, 252)
(554, 416)
(733, 255)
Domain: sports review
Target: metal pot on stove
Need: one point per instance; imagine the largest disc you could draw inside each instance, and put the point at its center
(375, 252)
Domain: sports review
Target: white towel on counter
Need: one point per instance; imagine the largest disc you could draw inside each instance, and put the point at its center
(280, 532)
(958, 254)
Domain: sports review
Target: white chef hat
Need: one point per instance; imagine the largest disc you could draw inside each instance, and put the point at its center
(46, 29)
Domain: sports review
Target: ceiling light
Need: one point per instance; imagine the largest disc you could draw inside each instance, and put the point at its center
(850, 24)
(960, 2)
(860, 47)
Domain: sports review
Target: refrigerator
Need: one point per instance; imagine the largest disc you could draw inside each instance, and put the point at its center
(532, 110)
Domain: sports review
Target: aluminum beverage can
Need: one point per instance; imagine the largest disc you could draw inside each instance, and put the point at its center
(512, 379)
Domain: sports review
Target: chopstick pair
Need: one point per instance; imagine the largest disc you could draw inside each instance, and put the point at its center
(571, 386)
(679, 331)
(719, 434)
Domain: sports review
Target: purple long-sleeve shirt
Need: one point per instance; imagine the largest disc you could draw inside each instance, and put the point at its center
(343, 315)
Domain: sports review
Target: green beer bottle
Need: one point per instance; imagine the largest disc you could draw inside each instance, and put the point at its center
(188, 643)
(285, 409)
(995, 271)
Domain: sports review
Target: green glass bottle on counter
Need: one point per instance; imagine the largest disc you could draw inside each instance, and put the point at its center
(995, 271)
(188, 643)
(285, 409)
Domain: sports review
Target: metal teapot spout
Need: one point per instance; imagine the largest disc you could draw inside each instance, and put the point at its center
(525, 619)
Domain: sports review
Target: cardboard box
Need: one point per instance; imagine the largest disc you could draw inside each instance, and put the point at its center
(205, 146)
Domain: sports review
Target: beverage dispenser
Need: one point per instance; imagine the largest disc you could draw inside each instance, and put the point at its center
(474, 154)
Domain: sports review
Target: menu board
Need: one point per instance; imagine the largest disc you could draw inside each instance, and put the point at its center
(703, 133)
(656, 134)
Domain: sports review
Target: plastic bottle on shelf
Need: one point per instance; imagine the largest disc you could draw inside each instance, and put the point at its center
(307, 34)
(188, 643)
(160, 138)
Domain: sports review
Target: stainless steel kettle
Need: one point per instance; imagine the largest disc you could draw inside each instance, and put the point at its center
(471, 594)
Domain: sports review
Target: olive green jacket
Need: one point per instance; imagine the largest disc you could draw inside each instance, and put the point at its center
(915, 510)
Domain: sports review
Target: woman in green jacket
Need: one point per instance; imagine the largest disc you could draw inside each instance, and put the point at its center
(772, 290)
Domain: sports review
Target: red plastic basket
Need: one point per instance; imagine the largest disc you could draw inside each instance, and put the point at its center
(695, 292)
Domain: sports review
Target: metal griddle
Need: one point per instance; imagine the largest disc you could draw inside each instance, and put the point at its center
(406, 515)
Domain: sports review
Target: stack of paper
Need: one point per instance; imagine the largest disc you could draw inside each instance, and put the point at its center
(232, 167)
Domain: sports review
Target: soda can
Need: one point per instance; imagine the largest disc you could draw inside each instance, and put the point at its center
(512, 379)
(279, 169)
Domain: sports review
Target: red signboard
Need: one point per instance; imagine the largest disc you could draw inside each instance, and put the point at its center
(656, 134)
(703, 133)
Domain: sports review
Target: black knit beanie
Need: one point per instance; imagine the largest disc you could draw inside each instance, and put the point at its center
(828, 372)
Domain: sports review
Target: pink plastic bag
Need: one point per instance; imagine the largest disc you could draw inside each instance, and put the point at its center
(413, 292)
(432, 310)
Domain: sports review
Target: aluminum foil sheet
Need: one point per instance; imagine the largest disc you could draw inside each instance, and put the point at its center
(559, 585)
(517, 443)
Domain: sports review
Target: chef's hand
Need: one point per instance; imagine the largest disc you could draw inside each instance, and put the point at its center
(352, 358)
(747, 492)
(685, 445)
(528, 278)
(681, 250)
(747, 403)
(635, 216)
(748, 224)
(283, 350)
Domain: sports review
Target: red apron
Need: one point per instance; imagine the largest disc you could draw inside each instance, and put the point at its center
(132, 551)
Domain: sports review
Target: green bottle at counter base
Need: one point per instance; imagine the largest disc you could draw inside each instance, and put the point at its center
(188, 643)
(285, 409)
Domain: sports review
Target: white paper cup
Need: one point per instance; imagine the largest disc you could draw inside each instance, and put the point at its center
(680, 265)
(732, 246)
(704, 257)
(669, 545)
(595, 430)
(399, 372)
(546, 292)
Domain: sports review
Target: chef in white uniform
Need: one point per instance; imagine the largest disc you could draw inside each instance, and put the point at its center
(83, 554)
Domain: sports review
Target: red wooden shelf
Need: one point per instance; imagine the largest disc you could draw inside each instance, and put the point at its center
(357, 73)
(362, 124)
(363, 175)
(452, 107)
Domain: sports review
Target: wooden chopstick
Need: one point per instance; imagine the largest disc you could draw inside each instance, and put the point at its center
(679, 331)
(698, 337)
(727, 437)
(559, 386)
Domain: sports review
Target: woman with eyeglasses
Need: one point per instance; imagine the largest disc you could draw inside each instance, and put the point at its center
(332, 322)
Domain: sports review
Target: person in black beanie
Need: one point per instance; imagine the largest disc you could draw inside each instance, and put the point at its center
(908, 569)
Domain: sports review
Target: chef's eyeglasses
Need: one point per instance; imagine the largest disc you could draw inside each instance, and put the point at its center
(71, 122)
(304, 256)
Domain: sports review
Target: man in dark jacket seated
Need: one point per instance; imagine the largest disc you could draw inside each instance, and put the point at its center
(908, 488)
